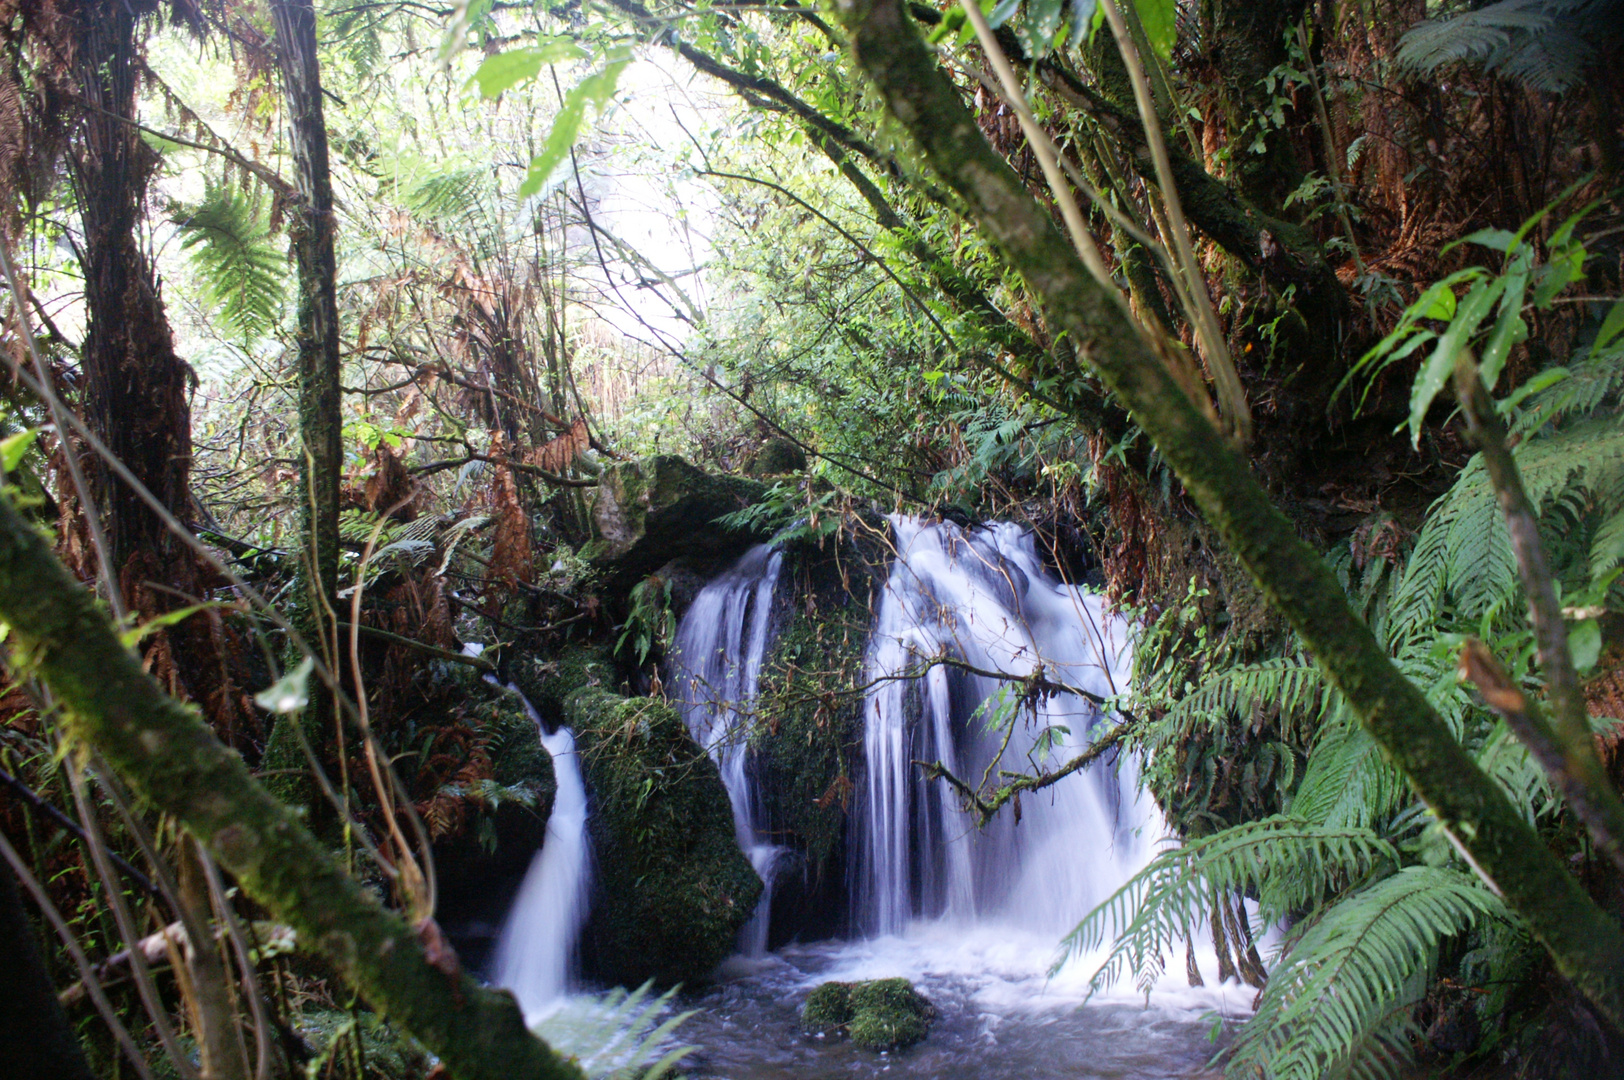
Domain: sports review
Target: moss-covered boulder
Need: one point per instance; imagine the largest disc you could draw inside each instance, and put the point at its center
(672, 888)
(646, 513)
(883, 1014)
(776, 457)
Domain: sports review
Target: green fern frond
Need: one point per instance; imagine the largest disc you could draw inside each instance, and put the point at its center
(1545, 44)
(1364, 959)
(228, 239)
(1348, 782)
(1463, 557)
(616, 1037)
(1290, 866)
(1294, 686)
(446, 198)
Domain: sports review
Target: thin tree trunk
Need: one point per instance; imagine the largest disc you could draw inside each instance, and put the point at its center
(1586, 945)
(174, 763)
(313, 229)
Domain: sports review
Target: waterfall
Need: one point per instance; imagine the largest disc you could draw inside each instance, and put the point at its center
(716, 663)
(983, 598)
(535, 952)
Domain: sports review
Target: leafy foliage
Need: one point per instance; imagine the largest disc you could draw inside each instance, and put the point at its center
(1545, 44)
(1339, 988)
(229, 241)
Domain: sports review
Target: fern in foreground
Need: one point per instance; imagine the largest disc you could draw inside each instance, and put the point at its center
(618, 1036)
(229, 243)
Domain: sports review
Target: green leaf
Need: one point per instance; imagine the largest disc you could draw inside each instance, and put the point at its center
(1085, 19)
(593, 92)
(1584, 643)
(1042, 22)
(1160, 20)
(508, 69)
(1440, 303)
(290, 693)
(1610, 327)
(1435, 372)
(1509, 328)
(13, 448)
(133, 637)
(1002, 12)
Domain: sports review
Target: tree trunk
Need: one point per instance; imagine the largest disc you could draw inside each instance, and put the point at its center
(175, 764)
(135, 386)
(313, 229)
(1586, 945)
(39, 1044)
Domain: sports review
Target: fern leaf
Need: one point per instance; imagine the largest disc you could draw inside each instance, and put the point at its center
(1289, 865)
(1366, 957)
(228, 240)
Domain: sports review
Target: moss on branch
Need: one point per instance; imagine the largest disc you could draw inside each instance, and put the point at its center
(172, 760)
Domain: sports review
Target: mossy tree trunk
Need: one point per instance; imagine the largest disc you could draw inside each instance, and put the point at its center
(176, 765)
(1585, 943)
(320, 419)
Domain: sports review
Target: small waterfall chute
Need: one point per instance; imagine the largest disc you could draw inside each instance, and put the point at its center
(535, 953)
(716, 667)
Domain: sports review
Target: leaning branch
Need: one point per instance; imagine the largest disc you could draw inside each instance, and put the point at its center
(1586, 945)
(1566, 749)
(176, 764)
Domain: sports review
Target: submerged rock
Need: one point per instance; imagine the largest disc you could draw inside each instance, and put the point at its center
(883, 1014)
(649, 512)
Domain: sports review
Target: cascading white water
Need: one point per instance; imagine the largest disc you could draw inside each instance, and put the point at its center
(983, 598)
(716, 664)
(535, 952)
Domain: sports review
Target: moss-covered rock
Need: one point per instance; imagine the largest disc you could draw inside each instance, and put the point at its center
(883, 1014)
(646, 513)
(672, 888)
(548, 682)
(827, 1009)
(776, 457)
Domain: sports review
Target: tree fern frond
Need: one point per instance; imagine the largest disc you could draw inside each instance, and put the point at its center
(1544, 44)
(1289, 865)
(1348, 974)
(228, 239)
(1293, 685)
(616, 1037)
(1348, 782)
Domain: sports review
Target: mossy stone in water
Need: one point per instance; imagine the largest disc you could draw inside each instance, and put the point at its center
(828, 1008)
(673, 889)
(884, 1014)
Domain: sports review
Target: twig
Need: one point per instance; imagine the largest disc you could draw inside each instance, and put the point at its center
(1569, 754)
(986, 808)
(422, 646)
(37, 801)
(516, 466)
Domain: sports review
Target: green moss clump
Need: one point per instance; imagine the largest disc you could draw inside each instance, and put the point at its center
(878, 1031)
(884, 1014)
(548, 683)
(827, 1009)
(776, 457)
(673, 887)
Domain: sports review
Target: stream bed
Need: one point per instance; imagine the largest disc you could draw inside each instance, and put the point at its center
(999, 1016)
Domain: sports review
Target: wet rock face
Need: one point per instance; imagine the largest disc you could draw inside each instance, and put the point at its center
(647, 513)
(671, 888)
(883, 1014)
